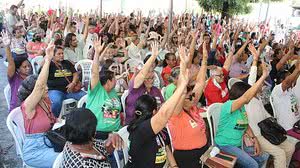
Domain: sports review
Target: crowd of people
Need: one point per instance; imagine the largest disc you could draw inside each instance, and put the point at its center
(169, 78)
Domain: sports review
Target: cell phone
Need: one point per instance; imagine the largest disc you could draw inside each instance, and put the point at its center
(224, 157)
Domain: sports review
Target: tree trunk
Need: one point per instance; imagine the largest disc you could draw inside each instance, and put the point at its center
(225, 10)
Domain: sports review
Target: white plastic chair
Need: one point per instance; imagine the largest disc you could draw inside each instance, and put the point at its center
(133, 64)
(5, 63)
(273, 107)
(35, 63)
(163, 90)
(124, 134)
(232, 81)
(123, 100)
(214, 111)
(82, 101)
(86, 70)
(15, 124)
(67, 106)
(7, 95)
(58, 161)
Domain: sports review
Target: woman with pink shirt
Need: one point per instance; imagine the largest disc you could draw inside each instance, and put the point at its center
(38, 118)
(36, 47)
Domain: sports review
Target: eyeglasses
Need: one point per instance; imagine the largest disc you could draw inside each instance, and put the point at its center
(220, 75)
(191, 97)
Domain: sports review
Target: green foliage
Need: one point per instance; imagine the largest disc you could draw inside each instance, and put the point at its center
(235, 7)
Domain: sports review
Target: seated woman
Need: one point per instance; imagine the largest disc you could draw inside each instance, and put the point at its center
(186, 125)
(169, 63)
(142, 84)
(62, 81)
(81, 149)
(173, 82)
(233, 125)
(149, 144)
(36, 47)
(38, 118)
(18, 69)
(102, 98)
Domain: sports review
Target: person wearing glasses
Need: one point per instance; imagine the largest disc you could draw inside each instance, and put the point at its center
(142, 83)
(186, 126)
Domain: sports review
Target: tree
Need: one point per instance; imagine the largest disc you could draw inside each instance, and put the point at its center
(228, 8)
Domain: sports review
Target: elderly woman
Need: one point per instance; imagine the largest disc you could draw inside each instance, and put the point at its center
(149, 141)
(18, 69)
(142, 84)
(38, 117)
(62, 81)
(81, 149)
(102, 99)
(233, 125)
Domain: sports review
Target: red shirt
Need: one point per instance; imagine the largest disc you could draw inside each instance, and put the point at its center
(213, 94)
(166, 70)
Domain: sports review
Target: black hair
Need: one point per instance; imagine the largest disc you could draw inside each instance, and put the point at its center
(68, 39)
(146, 59)
(107, 63)
(167, 57)
(19, 61)
(26, 88)
(106, 75)
(238, 89)
(80, 126)
(12, 7)
(57, 48)
(144, 107)
(281, 75)
(59, 42)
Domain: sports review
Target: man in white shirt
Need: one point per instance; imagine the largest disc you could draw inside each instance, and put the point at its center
(285, 103)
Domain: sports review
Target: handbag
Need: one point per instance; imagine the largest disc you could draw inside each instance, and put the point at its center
(221, 160)
(272, 131)
(57, 136)
(296, 127)
(78, 85)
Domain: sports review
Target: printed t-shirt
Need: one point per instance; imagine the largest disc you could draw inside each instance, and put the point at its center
(106, 107)
(56, 79)
(188, 131)
(232, 126)
(36, 46)
(146, 148)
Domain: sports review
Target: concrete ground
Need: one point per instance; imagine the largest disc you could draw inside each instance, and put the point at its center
(8, 156)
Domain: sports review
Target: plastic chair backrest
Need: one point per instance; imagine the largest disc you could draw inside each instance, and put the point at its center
(86, 68)
(123, 100)
(67, 106)
(273, 107)
(214, 110)
(124, 134)
(133, 64)
(232, 81)
(163, 92)
(7, 95)
(15, 124)
(82, 101)
(35, 64)
(58, 160)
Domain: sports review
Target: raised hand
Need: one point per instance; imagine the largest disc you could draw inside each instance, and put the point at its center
(265, 69)
(98, 45)
(253, 51)
(6, 39)
(154, 47)
(50, 51)
(205, 53)
(184, 58)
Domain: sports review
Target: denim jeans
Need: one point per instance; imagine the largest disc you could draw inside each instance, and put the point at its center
(36, 153)
(244, 157)
(57, 97)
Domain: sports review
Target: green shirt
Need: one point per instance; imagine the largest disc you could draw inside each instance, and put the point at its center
(232, 126)
(106, 107)
(169, 91)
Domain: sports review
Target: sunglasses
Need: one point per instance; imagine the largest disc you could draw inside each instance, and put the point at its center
(191, 97)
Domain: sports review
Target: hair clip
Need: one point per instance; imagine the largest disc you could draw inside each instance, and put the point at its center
(137, 112)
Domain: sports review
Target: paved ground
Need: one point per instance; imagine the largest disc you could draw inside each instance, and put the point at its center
(8, 156)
